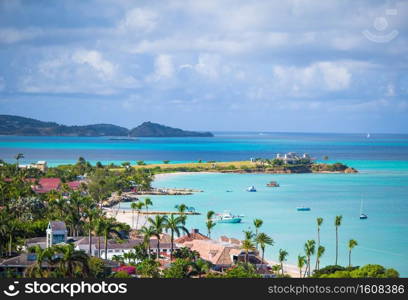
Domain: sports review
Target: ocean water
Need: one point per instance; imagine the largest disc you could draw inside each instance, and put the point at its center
(382, 184)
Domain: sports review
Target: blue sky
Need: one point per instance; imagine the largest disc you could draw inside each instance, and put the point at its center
(298, 65)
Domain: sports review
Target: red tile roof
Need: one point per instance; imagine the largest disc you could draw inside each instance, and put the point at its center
(47, 184)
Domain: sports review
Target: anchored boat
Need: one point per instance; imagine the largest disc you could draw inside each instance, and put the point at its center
(227, 217)
(273, 184)
(303, 208)
(251, 189)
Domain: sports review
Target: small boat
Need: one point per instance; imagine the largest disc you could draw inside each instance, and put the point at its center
(228, 191)
(273, 184)
(362, 216)
(251, 189)
(227, 217)
(303, 208)
(368, 135)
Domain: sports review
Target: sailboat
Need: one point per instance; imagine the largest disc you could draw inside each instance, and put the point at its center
(368, 135)
(362, 216)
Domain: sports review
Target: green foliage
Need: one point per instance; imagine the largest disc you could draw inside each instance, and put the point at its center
(180, 268)
(367, 271)
(148, 268)
(242, 270)
(186, 253)
(121, 274)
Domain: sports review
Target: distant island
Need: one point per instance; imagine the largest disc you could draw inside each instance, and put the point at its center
(16, 125)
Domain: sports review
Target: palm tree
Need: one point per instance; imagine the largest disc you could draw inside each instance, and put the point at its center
(309, 251)
(319, 254)
(147, 202)
(262, 239)
(147, 233)
(247, 246)
(109, 226)
(210, 214)
(72, 262)
(257, 223)
(249, 235)
(210, 225)
(282, 257)
(175, 225)
(158, 224)
(18, 157)
(136, 206)
(35, 270)
(301, 263)
(201, 267)
(319, 222)
(351, 244)
(9, 229)
(337, 223)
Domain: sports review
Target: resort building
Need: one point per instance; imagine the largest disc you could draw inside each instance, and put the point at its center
(221, 254)
(46, 185)
(40, 165)
(56, 233)
(292, 157)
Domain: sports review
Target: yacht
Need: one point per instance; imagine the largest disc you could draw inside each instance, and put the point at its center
(362, 216)
(251, 189)
(303, 208)
(227, 217)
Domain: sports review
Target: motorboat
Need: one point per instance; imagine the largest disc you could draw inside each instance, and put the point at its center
(251, 189)
(227, 217)
(303, 208)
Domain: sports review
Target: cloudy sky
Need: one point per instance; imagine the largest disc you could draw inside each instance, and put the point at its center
(298, 65)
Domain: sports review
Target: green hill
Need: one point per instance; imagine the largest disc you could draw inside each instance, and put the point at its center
(149, 129)
(15, 125)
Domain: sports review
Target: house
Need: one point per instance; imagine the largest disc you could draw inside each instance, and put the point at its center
(221, 254)
(56, 233)
(46, 185)
(194, 235)
(18, 264)
(40, 165)
(292, 157)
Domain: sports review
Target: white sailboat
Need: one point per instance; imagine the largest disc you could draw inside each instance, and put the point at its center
(368, 135)
(362, 216)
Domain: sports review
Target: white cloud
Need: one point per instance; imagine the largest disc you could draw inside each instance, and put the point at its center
(139, 19)
(330, 76)
(208, 65)
(163, 67)
(94, 59)
(79, 71)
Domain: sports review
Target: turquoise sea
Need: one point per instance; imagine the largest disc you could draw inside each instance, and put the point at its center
(382, 183)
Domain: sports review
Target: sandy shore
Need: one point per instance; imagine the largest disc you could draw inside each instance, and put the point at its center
(123, 216)
(167, 175)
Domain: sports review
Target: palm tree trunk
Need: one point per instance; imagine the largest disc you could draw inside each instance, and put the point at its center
(106, 245)
(137, 219)
(337, 244)
(349, 258)
(10, 243)
(282, 267)
(172, 241)
(263, 254)
(133, 218)
(158, 248)
(90, 240)
(99, 246)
